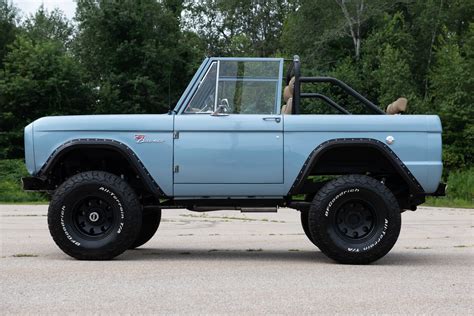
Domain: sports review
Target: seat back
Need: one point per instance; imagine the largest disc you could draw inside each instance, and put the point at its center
(287, 108)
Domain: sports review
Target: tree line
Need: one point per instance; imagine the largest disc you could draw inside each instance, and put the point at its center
(128, 56)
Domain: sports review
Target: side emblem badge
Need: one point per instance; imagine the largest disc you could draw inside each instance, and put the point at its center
(141, 139)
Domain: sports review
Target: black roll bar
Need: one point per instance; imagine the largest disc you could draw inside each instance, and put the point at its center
(297, 88)
(297, 91)
(326, 99)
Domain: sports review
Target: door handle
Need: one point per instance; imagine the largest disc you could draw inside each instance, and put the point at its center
(276, 119)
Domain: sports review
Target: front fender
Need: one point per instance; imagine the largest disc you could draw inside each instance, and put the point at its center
(86, 143)
(149, 137)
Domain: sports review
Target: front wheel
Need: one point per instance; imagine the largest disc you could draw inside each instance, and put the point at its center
(354, 219)
(94, 215)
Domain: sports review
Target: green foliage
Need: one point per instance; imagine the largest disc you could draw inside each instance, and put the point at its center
(315, 31)
(229, 27)
(47, 26)
(393, 76)
(39, 78)
(8, 27)
(134, 53)
(452, 83)
(11, 172)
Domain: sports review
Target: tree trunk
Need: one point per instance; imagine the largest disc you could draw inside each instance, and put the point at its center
(430, 53)
(353, 23)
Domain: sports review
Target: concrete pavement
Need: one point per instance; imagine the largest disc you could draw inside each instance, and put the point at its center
(233, 263)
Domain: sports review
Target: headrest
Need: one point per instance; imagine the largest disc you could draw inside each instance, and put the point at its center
(398, 106)
(288, 91)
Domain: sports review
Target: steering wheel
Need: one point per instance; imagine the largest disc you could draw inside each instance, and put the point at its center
(208, 104)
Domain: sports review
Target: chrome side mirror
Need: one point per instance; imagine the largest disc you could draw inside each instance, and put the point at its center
(222, 108)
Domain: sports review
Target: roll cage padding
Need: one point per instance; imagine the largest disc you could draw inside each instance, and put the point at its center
(313, 158)
(110, 144)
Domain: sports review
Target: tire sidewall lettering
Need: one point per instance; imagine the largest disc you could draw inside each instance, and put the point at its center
(372, 245)
(119, 204)
(63, 225)
(338, 196)
(382, 234)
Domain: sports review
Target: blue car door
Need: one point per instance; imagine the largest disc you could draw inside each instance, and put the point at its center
(230, 132)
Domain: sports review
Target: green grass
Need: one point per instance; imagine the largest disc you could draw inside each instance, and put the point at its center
(11, 171)
(41, 201)
(460, 191)
(448, 202)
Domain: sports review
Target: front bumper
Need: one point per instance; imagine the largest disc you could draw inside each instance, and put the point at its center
(35, 184)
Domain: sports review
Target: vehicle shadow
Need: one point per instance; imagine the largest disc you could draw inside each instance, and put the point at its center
(427, 259)
(394, 258)
(224, 254)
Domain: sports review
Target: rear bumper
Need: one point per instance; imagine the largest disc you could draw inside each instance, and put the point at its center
(440, 191)
(34, 184)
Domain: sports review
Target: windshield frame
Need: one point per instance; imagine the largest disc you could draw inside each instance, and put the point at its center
(200, 74)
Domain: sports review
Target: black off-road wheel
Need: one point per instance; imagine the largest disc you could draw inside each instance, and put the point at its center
(94, 215)
(150, 223)
(354, 219)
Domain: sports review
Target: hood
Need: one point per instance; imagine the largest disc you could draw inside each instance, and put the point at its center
(116, 122)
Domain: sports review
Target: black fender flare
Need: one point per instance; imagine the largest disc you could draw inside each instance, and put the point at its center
(112, 144)
(414, 186)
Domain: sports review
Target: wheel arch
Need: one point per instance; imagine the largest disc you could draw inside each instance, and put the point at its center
(317, 161)
(86, 146)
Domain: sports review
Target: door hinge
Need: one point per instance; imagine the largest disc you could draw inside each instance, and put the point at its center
(176, 135)
(176, 169)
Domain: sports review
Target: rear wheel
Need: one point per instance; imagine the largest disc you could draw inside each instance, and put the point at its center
(305, 218)
(150, 223)
(354, 219)
(304, 223)
(94, 215)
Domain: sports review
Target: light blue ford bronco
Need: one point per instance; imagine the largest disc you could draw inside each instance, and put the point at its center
(236, 141)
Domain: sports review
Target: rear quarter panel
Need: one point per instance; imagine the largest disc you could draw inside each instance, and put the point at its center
(417, 140)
